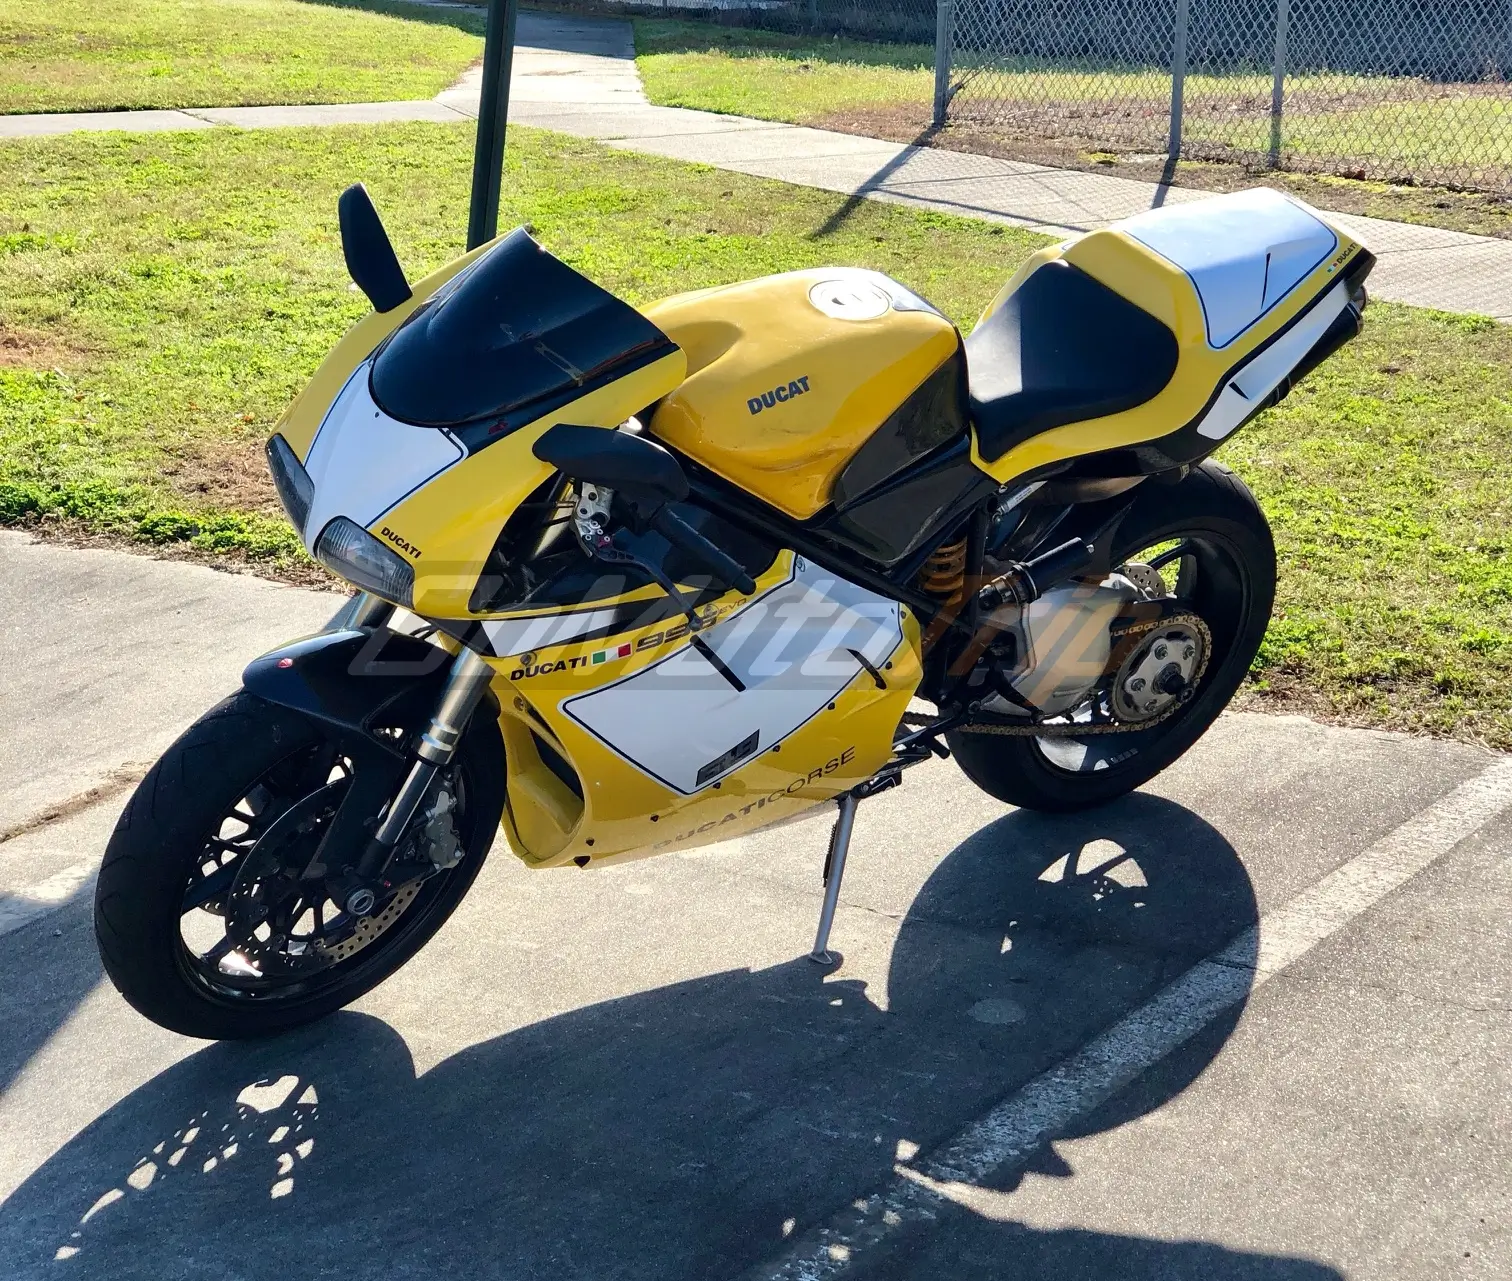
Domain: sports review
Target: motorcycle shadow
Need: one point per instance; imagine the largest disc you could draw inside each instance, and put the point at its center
(684, 1132)
(57, 979)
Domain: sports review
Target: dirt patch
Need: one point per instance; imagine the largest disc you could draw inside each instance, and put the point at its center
(228, 473)
(32, 349)
(1478, 213)
(1287, 694)
(116, 782)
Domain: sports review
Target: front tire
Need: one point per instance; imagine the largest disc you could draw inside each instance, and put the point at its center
(1230, 582)
(198, 814)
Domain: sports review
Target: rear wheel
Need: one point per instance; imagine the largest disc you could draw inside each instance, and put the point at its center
(1212, 546)
(213, 919)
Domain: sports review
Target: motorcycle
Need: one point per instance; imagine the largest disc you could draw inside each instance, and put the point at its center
(639, 581)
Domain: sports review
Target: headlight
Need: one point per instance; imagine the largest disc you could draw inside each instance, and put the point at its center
(349, 550)
(295, 488)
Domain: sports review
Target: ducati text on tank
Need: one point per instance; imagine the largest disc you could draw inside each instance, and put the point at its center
(779, 394)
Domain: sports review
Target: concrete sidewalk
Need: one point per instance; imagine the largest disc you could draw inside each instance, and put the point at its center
(578, 76)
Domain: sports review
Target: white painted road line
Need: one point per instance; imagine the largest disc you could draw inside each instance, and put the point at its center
(46, 896)
(1014, 1129)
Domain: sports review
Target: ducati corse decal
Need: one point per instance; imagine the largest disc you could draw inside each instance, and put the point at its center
(677, 631)
(761, 802)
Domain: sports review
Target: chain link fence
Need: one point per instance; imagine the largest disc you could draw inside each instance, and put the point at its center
(1406, 91)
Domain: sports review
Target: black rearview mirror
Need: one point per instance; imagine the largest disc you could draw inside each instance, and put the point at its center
(370, 258)
(636, 467)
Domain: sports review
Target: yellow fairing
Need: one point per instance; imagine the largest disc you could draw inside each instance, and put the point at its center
(780, 394)
(1166, 292)
(302, 419)
(626, 814)
(456, 517)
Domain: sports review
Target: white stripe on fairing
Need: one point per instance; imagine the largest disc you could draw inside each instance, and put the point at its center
(1253, 383)
(1052, 1101)
(36, 901)
(511, 636)
(792, 650)
(362, 462)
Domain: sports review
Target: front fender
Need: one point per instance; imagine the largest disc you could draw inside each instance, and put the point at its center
(356, 681)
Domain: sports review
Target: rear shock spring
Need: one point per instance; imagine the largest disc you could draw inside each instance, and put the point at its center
(944, 573)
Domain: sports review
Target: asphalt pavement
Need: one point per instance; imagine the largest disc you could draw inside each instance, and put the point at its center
(1251, 1022)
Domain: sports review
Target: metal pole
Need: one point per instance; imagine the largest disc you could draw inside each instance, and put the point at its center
(1278, 79)
(944, 39)
(493, 116)
(1178, 77)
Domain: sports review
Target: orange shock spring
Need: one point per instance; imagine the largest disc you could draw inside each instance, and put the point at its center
(944, 573)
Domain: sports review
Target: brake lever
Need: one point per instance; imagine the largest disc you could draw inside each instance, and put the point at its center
(602, 547)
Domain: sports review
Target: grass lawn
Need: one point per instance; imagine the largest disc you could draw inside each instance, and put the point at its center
(1387, 476)
(103, 55)
(163, 296)
(776, 76)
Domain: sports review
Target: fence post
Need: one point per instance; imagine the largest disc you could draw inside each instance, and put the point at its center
(1278, 79)
(1178, 77)
(944, 35)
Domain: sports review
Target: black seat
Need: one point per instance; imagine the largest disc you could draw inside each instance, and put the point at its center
(1062, 348)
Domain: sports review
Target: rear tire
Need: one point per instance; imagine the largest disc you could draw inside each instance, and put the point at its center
(160, 843)
(1214, 508)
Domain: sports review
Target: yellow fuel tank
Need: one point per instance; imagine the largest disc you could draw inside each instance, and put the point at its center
(789, 375)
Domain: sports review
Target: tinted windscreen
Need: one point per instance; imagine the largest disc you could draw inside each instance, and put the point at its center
(514, 332)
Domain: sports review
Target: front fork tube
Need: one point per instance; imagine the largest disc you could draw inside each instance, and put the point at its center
(370, 611)
(362, 609)
(465, 686)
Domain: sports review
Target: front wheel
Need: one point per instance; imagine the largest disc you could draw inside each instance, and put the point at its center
(213, 914)
(1210, 542)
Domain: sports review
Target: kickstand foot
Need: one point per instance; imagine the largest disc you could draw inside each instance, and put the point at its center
(834, 870)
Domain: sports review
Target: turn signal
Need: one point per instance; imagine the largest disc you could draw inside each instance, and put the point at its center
(345, 548)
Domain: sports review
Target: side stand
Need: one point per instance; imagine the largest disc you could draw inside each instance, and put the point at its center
(834, 870)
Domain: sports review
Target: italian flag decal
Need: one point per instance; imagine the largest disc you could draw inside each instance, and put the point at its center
(604, 655)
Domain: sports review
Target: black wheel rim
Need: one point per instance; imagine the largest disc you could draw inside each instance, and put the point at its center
(307, 944)
(1206, 575)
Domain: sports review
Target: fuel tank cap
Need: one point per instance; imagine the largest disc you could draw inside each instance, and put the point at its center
(850, 299)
